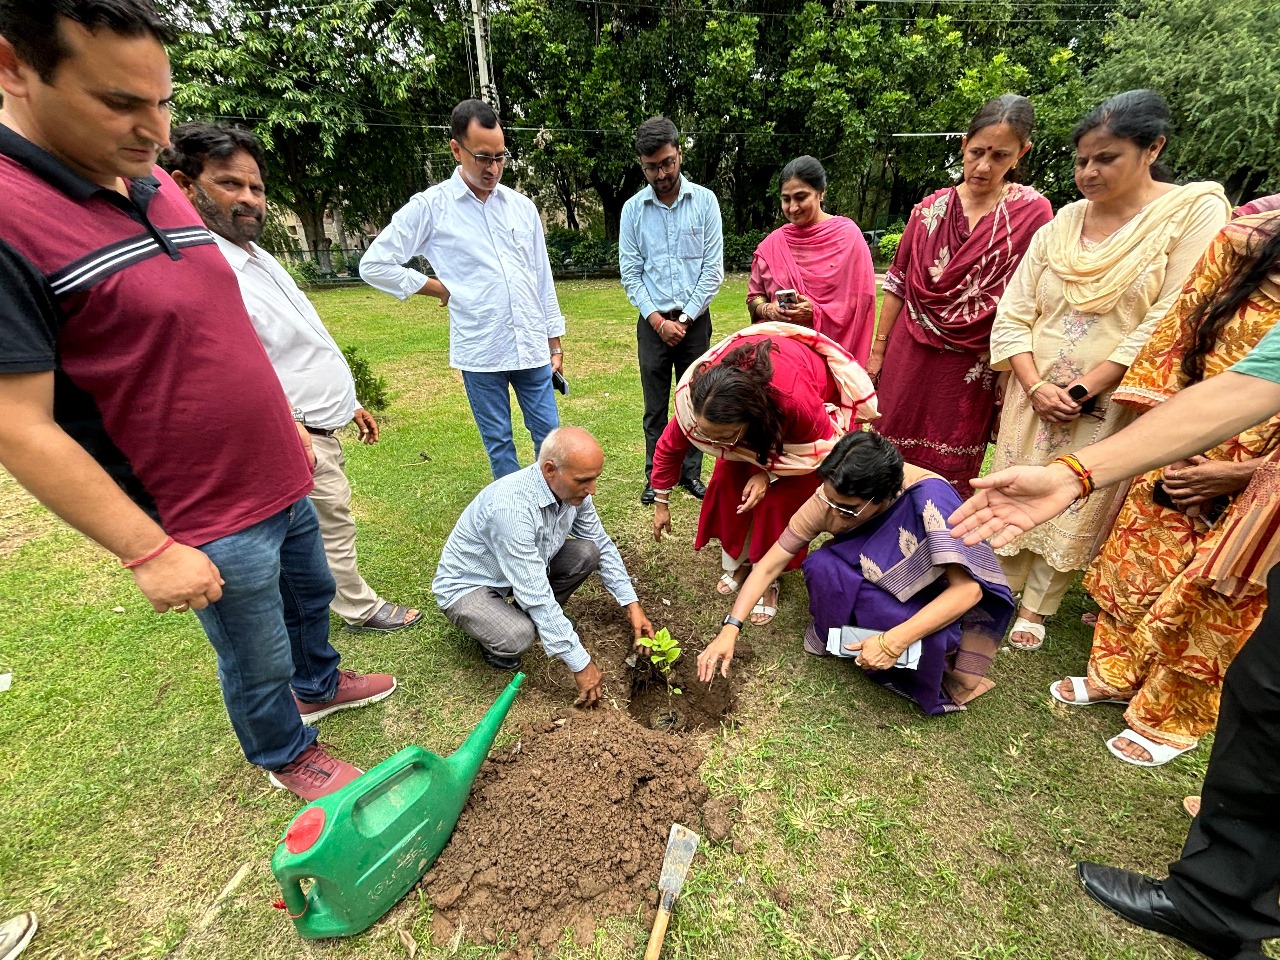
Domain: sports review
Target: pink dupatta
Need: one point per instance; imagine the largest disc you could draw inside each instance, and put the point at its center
(828, 264)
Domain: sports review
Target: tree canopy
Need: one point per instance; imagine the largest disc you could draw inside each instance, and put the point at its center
(351, 97)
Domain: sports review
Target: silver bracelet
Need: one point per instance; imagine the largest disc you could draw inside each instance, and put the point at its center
(661, 325)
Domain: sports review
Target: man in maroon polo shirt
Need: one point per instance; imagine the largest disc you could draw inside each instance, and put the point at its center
(136, 401)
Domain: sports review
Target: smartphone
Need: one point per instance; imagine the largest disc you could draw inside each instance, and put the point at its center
(559, 382)
(1080, 394)
(1160, 496)
(787, 299)
(1209, 512)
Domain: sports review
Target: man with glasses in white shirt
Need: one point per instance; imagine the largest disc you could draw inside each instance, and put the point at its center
(485, 243)
(671, 256)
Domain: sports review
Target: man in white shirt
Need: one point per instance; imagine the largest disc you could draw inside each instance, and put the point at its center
(485, 243)
(220, 168)
(521, 548)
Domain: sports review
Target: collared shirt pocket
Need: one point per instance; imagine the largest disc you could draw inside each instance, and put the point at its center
(691, 244)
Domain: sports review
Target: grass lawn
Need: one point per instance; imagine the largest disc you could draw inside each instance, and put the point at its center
(865, 830)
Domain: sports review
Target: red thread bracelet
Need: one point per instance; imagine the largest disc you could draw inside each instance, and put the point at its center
(130, 564)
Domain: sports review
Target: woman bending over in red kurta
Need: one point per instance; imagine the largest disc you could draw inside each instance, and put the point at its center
(768, 403)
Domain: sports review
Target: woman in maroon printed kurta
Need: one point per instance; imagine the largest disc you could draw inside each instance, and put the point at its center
(768, 403)
(957, 254)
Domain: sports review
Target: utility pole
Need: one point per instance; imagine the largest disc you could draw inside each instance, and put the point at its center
(480, 24)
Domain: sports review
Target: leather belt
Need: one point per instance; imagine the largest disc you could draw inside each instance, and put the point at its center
(317, 432)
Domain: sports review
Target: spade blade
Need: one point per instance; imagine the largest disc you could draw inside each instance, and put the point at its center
(682, 844)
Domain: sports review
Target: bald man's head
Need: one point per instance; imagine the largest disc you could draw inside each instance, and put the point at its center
(571, 462)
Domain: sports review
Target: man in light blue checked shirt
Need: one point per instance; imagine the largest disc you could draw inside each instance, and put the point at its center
(671, 256)
(486, 245)
(520, 550)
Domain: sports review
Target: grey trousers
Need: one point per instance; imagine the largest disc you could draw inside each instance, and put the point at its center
(499, 625)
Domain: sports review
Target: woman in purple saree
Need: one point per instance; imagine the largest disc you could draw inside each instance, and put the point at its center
(894, 574)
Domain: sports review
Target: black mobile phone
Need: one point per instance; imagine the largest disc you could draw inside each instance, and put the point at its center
(1160, 496)
(1080, 394)
(559, 382)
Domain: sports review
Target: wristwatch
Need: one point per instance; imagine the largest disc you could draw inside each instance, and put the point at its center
(731, 621)
(684, 318)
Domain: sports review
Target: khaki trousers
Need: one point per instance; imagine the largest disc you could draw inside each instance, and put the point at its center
(355, 601)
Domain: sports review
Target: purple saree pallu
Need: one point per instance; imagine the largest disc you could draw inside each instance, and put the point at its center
(884, 572)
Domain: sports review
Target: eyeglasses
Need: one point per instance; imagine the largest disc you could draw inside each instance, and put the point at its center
(698, 435)
(666, 166)
(845, 511)
(487, 161)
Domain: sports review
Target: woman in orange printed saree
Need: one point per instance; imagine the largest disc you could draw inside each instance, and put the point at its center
(1166, 634)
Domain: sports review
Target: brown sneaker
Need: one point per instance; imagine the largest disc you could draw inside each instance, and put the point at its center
(314, 774)
(354, 690)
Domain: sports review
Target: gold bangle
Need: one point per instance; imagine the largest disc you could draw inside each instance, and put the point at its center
(1031, 392)
(882, 337)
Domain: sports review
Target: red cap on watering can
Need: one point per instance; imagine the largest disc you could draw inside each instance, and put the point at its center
(305, 830)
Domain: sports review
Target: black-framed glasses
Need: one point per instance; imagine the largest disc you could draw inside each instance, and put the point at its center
(841, 509)
(666, 166)
(486, 160)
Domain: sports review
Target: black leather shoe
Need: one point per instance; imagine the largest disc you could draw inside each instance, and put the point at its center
(647, 496)
(501, 662)
(697, 489)
(1142, 901)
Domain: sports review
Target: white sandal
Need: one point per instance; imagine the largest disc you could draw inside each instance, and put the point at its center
(731, 582)
(1161, 753)
(1027, 626)
(1081, 694)
(763, 609)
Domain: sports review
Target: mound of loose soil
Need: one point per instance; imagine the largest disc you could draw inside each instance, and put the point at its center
(569, 826)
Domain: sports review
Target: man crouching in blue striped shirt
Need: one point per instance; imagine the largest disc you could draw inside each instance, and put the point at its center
(521, 548)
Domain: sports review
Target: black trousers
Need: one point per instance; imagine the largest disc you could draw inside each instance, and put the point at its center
(1228, 880)
(660, 366)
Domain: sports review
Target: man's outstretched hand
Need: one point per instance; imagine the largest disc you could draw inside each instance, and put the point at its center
(1009, 503)
(590, 685)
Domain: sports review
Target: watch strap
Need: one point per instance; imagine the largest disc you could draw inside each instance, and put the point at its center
(731, 621)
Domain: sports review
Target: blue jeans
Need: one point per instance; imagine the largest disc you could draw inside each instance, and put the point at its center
(271, 630)
(490, 402)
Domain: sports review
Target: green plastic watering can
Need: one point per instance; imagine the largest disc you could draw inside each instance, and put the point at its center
(347, 858)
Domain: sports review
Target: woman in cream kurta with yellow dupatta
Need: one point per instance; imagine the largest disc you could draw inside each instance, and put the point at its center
(1075, 304)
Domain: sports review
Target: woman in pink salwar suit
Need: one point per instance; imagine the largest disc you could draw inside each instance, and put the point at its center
(823, 258)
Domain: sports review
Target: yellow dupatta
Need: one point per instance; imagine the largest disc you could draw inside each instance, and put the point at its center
(1094, 278)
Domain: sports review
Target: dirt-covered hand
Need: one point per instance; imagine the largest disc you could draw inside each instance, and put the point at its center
(661, 521)
(718, 652)
(590, 685)
(753, 493)
(641, 628)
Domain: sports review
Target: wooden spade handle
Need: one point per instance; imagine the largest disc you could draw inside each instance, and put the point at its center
(659, 931)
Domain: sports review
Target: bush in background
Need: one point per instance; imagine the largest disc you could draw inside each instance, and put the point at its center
(887, 248)
(371, 389)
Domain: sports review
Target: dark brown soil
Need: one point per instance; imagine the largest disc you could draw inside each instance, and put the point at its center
(570, 826)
